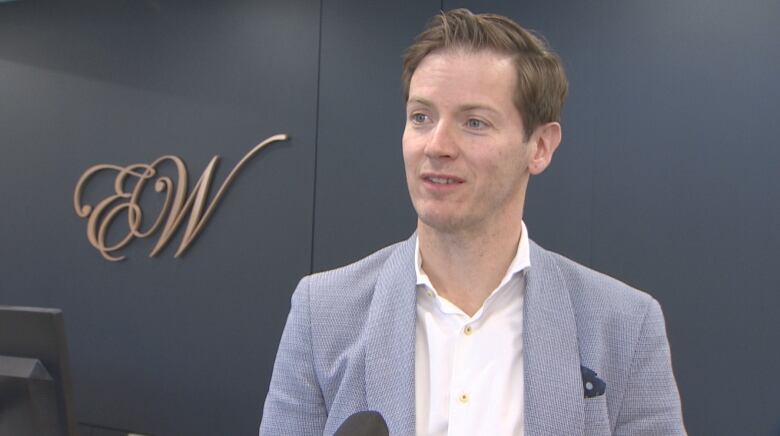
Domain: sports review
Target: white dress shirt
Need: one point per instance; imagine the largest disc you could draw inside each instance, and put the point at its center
(469, 370)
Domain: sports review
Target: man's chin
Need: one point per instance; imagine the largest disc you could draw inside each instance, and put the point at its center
(442, 222)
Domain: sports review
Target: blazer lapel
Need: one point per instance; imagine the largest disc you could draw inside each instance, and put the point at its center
(390, 341)
(553, 381)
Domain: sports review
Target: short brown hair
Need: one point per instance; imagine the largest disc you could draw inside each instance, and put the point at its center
(541, 80)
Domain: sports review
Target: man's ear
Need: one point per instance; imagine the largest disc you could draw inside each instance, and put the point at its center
(543, 143)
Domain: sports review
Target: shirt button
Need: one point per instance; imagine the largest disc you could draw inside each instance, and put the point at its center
(468, 330)
(463, 398)
(430, 294)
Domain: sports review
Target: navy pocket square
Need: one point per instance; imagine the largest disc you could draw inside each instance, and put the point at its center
(591, 383)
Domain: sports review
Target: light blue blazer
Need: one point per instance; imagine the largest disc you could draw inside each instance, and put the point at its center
(349, 343)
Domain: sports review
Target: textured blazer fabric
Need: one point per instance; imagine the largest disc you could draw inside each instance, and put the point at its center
(349, 342)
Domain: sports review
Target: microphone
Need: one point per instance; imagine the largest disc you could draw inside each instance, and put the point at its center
(366, 423)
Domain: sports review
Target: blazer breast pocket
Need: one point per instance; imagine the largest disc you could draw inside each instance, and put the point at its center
(596, 416)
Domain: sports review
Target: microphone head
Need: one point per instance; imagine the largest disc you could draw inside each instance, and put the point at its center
(366, 423)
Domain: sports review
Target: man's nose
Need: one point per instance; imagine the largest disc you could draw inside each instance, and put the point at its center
(441, 142)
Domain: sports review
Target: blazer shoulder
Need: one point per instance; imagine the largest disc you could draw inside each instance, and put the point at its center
(338, 303)
(352, 284)
(596, 291)
(611, 316)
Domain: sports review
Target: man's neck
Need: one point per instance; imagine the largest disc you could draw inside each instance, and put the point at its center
(466, 267)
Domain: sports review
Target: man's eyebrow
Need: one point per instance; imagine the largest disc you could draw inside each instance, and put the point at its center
(463, 108)
(418, 100)
(471, 107)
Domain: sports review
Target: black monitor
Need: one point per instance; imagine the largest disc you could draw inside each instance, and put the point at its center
(36, 394)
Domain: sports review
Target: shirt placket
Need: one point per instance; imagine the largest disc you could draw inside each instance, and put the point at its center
(461, 411)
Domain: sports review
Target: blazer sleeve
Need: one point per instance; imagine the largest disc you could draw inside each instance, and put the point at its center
(295, 405)
(651, 405)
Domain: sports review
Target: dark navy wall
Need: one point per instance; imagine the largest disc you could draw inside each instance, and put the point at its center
(162, 346)
(668, 178)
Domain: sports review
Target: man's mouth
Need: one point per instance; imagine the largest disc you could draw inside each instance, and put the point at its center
(441, 180)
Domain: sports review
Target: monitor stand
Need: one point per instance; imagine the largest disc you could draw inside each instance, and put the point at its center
(28, 399)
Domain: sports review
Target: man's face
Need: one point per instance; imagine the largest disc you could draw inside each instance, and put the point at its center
(464, 151)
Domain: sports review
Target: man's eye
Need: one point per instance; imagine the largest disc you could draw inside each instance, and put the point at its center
(419, 118)
(474, 123)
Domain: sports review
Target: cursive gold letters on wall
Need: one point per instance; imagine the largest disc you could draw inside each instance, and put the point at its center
(176, 205)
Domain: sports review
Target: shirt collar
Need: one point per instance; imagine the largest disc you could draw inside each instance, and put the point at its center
(521, 261)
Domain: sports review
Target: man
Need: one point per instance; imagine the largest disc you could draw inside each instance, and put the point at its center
(468, 327)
